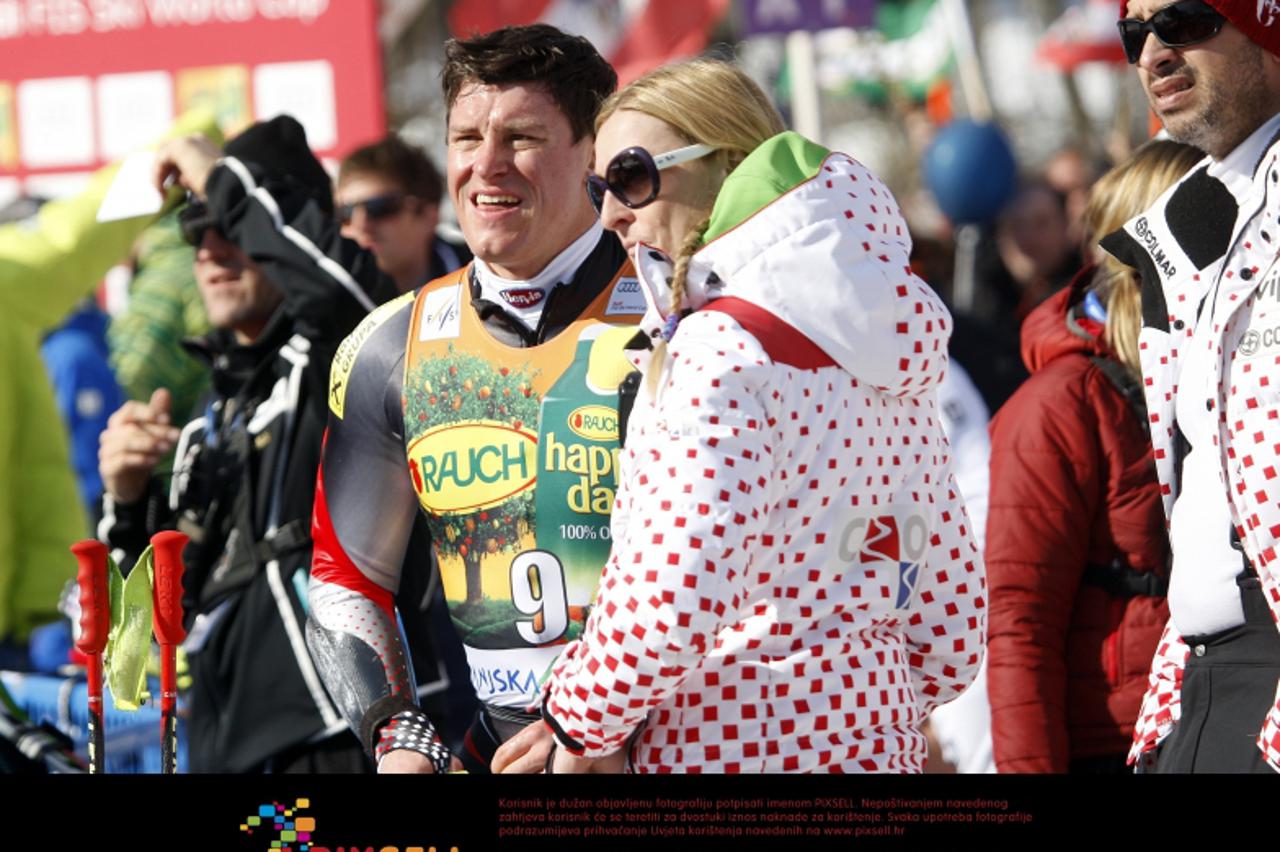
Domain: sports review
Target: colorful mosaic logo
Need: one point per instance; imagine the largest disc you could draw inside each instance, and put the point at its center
(292, 833)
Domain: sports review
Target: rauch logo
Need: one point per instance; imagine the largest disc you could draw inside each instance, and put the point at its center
(595, 423)
(472, 465)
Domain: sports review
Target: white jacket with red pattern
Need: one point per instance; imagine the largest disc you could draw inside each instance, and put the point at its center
(793, 583)
(1213, 239)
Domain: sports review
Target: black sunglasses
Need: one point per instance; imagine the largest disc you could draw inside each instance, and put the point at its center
(632, 175)
(194, 220)
(1181, 24)
(378, 207)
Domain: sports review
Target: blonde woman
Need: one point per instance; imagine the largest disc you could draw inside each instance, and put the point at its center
(1076, 549)
(793, 584)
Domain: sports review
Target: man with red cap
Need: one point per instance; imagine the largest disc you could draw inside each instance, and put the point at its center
(1210, 343)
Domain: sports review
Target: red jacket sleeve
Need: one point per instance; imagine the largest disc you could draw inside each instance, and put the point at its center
(1044, 496)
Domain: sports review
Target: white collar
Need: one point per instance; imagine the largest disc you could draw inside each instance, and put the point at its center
(560, 270)
(1237, 167)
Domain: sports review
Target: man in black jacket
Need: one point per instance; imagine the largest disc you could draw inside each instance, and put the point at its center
(244, 472)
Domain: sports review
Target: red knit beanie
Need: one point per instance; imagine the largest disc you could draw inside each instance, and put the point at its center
(1257, 19)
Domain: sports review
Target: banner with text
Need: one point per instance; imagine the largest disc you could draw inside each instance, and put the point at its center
(83, 82)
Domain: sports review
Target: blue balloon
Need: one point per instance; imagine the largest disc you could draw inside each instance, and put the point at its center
(970, 170)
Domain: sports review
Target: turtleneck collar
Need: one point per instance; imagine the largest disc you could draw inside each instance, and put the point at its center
(525, 299)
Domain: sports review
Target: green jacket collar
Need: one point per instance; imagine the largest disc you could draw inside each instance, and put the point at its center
(778, 165)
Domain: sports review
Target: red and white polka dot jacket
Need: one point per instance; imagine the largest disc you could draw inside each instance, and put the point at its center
(1207, 252)
(793, 583)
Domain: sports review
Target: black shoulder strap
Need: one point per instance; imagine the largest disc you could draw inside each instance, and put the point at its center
(1118, 578)
(1130, 387)
(1121, 581)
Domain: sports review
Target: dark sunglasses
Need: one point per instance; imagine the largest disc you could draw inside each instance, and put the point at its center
(1178, 25)
(379, 207)
(632, 175)
(194, 220)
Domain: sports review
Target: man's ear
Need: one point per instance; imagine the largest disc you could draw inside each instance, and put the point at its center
(1271, 72)
(587, 147)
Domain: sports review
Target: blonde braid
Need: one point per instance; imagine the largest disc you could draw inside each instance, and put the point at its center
(1122, 294)
(679, 282)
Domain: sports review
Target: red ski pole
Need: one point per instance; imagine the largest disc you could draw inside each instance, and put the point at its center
(166, 618)
(95, 623)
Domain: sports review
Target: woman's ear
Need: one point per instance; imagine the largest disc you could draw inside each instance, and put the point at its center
(720, 165)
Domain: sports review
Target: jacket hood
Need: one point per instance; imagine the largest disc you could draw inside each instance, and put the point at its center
(816, 240)
(1056, 328)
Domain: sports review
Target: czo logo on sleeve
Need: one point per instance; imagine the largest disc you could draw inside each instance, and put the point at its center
(892, 546)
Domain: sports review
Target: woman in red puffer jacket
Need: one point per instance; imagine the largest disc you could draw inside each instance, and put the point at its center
(1076, 549)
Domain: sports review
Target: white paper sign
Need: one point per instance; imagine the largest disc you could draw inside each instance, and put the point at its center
(132, 193)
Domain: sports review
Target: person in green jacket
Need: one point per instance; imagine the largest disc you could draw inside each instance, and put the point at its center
(46, 266)
(164, 308)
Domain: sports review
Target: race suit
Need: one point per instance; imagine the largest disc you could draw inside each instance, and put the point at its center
(506, 438)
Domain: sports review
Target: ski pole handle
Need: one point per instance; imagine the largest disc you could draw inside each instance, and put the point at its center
(166, 621)
(167, 589)
(95, 625)
(95, 599)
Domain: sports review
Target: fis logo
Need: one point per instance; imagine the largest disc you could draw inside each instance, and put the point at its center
(897, 543)
(441, 314)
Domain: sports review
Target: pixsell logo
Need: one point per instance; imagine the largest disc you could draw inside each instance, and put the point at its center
(278, 827)
(281, 827)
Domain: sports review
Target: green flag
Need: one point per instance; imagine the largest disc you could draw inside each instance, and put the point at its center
(129, 643)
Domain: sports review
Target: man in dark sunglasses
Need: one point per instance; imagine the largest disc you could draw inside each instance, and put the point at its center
(1207, 66)
(388, 196)
(1207, 256)
(244, 472)
(277, 278)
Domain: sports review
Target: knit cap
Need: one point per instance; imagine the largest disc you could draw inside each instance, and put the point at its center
(280, 147)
